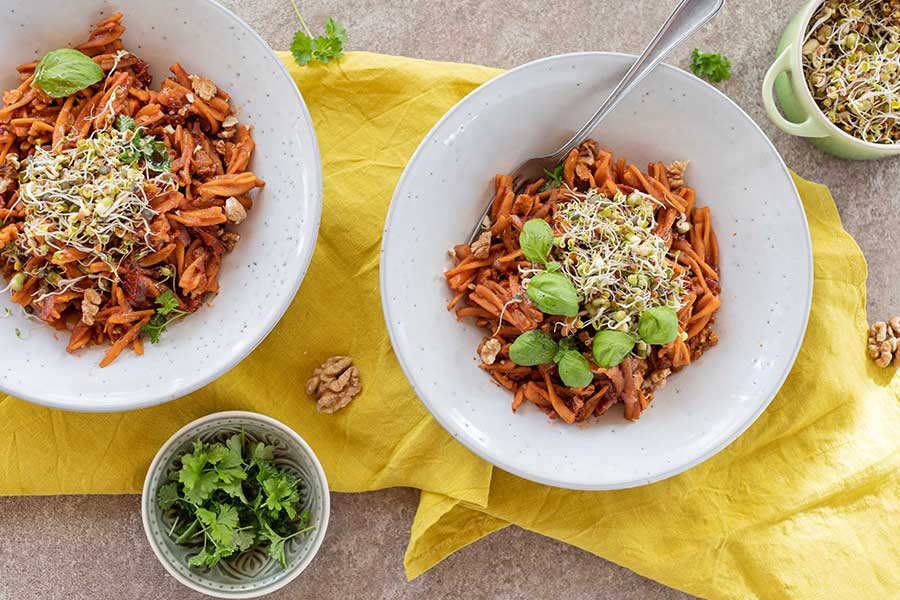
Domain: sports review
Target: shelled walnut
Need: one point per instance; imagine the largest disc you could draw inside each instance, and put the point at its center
(884, 339)
(334, 384)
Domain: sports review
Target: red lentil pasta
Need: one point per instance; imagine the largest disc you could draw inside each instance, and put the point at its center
(170, 247)
(489, 277)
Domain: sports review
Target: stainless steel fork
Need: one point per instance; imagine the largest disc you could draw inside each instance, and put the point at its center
(687, 17)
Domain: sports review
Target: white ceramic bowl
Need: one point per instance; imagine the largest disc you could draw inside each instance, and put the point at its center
(253, 573)
(258, 280)
(766, 265)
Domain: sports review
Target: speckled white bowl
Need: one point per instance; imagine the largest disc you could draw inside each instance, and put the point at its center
(258, 280)
(766, 265)
(254, 573)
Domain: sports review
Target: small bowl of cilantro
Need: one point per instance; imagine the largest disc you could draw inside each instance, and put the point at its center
(235, 505)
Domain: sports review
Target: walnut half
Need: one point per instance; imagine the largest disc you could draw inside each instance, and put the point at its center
(884, 339)
(334, 384)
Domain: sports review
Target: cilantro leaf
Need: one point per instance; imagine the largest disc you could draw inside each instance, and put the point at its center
(200, 559)
(554, 178)
(124, 123)
(306, 48)
(711, 66)
(167, 496)
(281, 494)
(166, 304)
(302, 48)
(244, 539)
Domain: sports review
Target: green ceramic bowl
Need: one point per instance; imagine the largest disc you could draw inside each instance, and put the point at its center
(253, 573)
(802, 116)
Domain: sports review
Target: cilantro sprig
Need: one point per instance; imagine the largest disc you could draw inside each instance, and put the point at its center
(711, 66)
(167, 310)
(554, 178)
(232, 497)
(152, 151)
(323, 48)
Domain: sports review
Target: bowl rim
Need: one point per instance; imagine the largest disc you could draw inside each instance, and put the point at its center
(149, 398)
(807, 13)
(461, 436)
(321, 481)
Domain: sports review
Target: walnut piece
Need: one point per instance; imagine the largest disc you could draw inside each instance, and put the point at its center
(230, 240)
(481, 247)
(884, 339)
(334, 384)
(675, 173)
(204, 88)
(90, 306)
(489, 351)
(234, 210)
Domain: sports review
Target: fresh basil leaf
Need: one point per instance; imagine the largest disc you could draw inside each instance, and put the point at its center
(536, 240)
(532, 348)
(658, 325)
(553, 294)
(574, 369)
(611, 347)
(124, 123)
(66, 71)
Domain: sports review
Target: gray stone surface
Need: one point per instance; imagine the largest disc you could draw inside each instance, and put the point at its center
(93, 547)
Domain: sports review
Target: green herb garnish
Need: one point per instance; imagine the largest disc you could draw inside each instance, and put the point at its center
(711, 66)
(306, 48)
(554, 178)
(553, 294)
(66, 71)
(152, 151)
(658, 325)
(610, 347)
(536, 240)
(536, 347)
(234, 498)
(167, 310)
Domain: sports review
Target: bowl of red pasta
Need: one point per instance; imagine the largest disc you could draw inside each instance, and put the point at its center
(156, 218)
(622, 317)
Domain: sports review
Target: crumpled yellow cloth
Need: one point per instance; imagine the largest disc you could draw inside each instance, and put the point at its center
(805, 504)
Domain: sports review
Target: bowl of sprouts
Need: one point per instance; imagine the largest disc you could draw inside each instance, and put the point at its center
(837, 78)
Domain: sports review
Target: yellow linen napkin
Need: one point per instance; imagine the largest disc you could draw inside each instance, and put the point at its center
(805, 504)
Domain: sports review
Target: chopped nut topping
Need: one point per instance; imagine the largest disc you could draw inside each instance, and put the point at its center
(90, 306)
(489, 351)
(230, 240)
(884, 339)
(229, 121)
(189, 97)
(169, 129)
(234, 210)
(220, 147)
(481, 247)
(675, 173)
(334, 384)
(205, 88)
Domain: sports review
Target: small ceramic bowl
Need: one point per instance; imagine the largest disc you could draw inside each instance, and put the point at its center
(252, 573)
(802, 116)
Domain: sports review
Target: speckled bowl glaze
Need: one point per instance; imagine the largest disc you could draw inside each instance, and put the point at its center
(766, 266)
(253, 573)
(258, 280)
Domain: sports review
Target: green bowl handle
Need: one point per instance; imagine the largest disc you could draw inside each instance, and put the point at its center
(809, 127)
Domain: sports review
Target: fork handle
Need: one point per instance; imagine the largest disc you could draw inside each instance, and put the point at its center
(687, 17)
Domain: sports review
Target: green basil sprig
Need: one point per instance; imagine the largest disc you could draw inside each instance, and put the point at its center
(553, 294)
(532, 348)
(610, 347)
(66, 71)
(536, 240)
(658, 325)
(536, 347)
